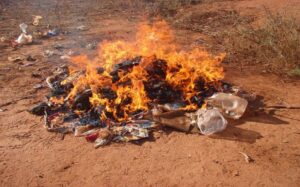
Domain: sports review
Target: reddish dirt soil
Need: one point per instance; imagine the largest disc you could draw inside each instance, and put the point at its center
(31, 156)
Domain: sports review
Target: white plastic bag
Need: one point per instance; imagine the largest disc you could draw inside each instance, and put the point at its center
(23, 27)
(230, 105)
(210, 121)
(24, 38)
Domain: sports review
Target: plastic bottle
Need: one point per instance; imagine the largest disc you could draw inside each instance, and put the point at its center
(230, 105)
(210, 121)
(24, 38)
(23, 27)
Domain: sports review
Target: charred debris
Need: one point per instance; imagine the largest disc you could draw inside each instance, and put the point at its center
(166, 106)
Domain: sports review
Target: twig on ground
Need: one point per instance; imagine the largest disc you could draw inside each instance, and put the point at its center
(248, 159)
(282, 107)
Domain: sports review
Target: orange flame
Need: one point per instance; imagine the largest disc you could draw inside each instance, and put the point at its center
(152, 41)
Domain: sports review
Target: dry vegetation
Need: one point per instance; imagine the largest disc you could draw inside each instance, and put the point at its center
(167, 8)
(274, 44)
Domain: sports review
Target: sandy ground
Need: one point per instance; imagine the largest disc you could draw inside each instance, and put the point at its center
(30, 156)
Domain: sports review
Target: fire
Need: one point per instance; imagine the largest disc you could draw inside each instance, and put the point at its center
(123, 91)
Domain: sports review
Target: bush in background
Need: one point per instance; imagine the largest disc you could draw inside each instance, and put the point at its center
(275, 43)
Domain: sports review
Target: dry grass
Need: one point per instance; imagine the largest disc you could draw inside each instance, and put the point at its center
(167, 8)
(208, 22)
(275, 43)
(294, 72)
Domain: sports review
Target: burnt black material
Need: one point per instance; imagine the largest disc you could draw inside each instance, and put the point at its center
(81, 101)
(100, 70)
(124, 66)
(160, 91)
(156, 86)
(70, 116)
(39, 109)
(157, 69)
(108, 93)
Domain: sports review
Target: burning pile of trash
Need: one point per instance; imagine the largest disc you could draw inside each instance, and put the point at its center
(132, 88)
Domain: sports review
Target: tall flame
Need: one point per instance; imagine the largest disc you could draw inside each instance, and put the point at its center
(153, 41)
